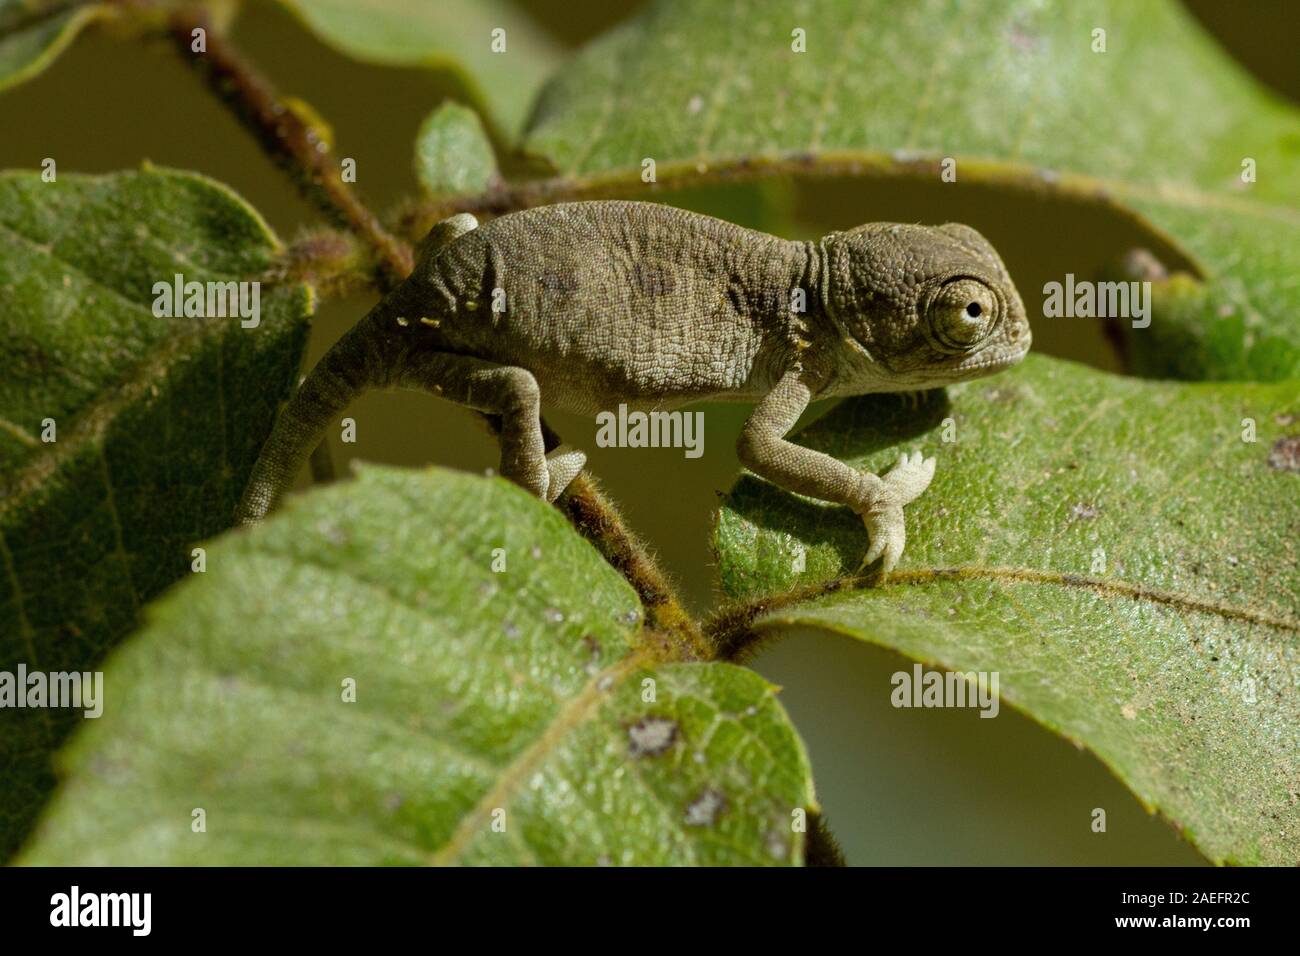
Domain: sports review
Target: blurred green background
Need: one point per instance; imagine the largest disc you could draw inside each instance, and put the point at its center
(898, 786)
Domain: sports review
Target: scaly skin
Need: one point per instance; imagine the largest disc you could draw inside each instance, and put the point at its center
(588, 305)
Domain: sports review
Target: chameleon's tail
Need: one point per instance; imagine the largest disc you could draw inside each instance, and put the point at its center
(370, 355)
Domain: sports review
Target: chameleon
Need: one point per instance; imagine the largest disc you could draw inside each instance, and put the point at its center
(585, 305)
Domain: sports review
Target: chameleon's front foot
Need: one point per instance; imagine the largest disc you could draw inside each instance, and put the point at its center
(883, 513)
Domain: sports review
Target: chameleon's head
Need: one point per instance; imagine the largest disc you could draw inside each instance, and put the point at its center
(923, 306)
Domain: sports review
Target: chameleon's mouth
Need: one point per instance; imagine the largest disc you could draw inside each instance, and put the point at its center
(992, 361)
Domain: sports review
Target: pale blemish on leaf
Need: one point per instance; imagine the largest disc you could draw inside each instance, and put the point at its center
(1285, 454)
(705, 809)
(651, 736)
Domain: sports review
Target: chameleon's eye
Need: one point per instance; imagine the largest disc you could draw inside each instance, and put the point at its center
(962, 312)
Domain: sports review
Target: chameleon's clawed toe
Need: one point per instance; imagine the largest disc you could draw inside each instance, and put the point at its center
(887, 534)
(909, 478)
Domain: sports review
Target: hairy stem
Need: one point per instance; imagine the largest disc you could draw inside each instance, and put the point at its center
(289, 140)
(600, 523)
(822, 848)
(667, 623)
(729, 631)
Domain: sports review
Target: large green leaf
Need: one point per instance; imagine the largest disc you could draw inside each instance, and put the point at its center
(1161, 122)
(156, 421)
(523, 689)
(34, 32)
(449, 34)
(1114, 548)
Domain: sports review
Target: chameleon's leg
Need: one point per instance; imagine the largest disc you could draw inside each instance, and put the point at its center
(764, 450)
(300, 428)
(563, 462)
(366, 357)
(511, 394)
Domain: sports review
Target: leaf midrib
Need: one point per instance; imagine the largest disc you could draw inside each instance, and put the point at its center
(574, 712)
(1111, 586)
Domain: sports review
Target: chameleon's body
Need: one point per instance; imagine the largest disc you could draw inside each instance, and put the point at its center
(599, 294)
(588, 305)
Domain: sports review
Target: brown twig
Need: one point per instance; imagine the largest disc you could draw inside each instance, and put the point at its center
(729, 631)
(289, 139)
(332, 261)
(822, 849)
(600, 523)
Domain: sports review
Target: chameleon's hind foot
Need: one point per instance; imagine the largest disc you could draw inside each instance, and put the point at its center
(562, 464)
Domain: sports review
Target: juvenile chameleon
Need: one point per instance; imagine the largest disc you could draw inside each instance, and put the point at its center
(587, 305)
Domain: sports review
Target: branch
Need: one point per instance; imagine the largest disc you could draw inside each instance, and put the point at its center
(289, 140)
(600, 523)
(822, 849)
(730, 634)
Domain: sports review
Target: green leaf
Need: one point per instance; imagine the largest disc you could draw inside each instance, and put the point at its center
(450, 34)
(521, 690)
(1160, 123)
(156, 421)
(1112, 547)
(453, 156)
(34, 32)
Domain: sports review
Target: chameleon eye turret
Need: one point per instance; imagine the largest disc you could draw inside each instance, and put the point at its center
(961, 314)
